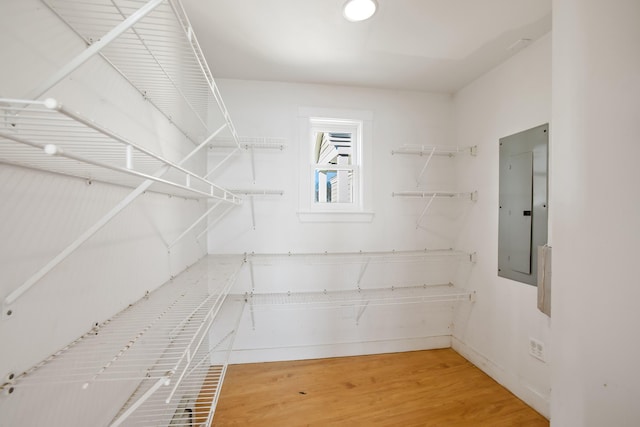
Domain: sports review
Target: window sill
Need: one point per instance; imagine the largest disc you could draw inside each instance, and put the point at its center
(335, 216)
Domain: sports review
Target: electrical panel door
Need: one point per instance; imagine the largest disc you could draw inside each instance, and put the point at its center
(523, 203)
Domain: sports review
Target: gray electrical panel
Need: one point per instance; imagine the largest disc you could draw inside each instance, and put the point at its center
(523, 203)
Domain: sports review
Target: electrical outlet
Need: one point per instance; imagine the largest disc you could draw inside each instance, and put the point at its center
(536, 349)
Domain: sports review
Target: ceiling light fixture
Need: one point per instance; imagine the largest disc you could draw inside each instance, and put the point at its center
(359, 10)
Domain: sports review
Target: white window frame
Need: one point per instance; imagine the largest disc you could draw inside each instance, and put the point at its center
(354, 127)
(313, 120)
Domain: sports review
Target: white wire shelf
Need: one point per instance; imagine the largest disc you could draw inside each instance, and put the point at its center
(250, 142)
(435, 150)
(47, 136)
(156, 51)
(138, 367)
(359, 297)
(361, 257)
(430, 196)
(418, 194)
(257, 192)
(430, 151)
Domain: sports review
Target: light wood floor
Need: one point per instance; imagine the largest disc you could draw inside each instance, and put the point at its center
(421, 388)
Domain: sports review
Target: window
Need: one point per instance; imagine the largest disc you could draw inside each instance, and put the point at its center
(335, 163)
(335, 155)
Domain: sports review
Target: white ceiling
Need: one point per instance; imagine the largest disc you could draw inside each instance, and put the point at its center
(431, 45)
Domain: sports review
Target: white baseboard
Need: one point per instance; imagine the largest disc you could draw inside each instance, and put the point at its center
(338, 349)
(515, 385)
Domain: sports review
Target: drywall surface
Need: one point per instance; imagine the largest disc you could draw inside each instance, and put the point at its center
(596, 232)
(494, 333)
(277, 110)
(264, 109)
(42, 213)
(307, 316)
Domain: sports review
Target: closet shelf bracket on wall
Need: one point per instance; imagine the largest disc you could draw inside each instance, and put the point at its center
(433, 150)
(249, 144)
(431, 196)
(251, 194)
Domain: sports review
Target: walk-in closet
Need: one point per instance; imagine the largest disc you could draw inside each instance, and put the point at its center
(191, 186)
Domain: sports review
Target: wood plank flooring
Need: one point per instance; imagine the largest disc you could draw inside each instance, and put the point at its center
(421, 388)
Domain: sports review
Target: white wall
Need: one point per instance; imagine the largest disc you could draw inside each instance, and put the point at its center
(494, 333)
(42, 213)
(272, 110)
(596, 212)
(263, 109)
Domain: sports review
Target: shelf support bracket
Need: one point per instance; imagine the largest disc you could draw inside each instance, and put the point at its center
(253, 165)
(204, 216)
(363, 269)
(253, 212)
(253, 316)
(13, 296)
(223, 161)
(253, 282)
(424, 168)
(162, 381)
(426, 209)
(210, 225)
(361, 312)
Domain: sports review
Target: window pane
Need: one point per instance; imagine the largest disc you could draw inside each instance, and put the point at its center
(333, 148)
(333, 186)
